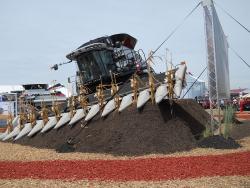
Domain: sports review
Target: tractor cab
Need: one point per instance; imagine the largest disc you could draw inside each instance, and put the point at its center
(97, 58)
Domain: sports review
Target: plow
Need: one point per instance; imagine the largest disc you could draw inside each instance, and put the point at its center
(111, 76)
(122, 121)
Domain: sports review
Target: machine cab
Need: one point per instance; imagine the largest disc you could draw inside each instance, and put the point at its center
(97, 58)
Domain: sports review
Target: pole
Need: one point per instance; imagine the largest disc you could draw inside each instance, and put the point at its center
(218, 106)
(16, 104)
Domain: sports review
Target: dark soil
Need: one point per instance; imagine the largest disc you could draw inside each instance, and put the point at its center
(190, 111)
(66, 148)
(51, 139)
(240, 131)
(218, 142)
(153, 129)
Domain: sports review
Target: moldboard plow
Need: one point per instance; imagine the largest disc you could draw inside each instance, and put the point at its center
(111, 78)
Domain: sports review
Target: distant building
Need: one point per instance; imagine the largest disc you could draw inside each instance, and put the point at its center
(8, 103)
(238, 92)
(9, 88)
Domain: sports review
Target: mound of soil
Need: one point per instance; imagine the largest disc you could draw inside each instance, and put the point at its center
(218, 142)
(51, 139)
(190, 111)
(162, 128)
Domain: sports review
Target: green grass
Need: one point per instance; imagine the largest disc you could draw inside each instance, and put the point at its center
(228, 120)
(208, 131)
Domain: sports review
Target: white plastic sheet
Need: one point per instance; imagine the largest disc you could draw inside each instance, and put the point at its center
(217, 54)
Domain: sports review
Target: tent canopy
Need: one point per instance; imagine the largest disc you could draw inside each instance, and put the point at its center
(9, 88)
(246, 96)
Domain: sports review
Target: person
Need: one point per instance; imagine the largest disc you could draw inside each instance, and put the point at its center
(222, 104)
(235, 102)
(241, 104)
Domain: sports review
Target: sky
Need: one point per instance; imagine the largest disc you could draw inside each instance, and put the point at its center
(36, 34)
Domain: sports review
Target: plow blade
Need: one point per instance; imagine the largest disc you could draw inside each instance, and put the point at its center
(161, 93)
(50, 124)
(64, 119)
(3, 135)
(109, 107)
(92, 112)
(15, 121)
(39, 125)
(78, 116)
(179, 76)
(143, 97)
(126, 101)
(15, 132)
(27, 128)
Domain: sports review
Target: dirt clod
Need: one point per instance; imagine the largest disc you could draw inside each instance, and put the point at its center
(65, 148)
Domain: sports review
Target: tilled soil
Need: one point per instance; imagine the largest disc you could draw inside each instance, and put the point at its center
(51, 139)
(162, 128)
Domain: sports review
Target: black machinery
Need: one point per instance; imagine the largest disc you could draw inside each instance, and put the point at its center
(97, 58)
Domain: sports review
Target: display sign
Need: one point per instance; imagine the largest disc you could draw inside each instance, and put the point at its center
(7, 107)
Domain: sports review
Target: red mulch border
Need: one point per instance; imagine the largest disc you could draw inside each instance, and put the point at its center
(149, 169)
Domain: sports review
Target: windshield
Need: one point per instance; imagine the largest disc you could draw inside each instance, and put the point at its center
(95, 64)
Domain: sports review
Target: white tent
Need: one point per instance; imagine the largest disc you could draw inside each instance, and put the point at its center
(198, 88)
(9, 88)
(246, 96)
(64, 90)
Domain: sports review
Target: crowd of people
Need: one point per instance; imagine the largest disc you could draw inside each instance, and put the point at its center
(239, 103)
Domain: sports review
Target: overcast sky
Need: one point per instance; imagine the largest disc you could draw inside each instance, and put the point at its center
(34, 35)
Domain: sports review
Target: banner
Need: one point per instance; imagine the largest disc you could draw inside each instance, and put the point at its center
(221, 56)
(7, 107)
(217, 54)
